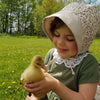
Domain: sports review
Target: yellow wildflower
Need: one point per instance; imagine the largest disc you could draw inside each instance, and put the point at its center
(12, 71)
(3, 83)
(9, 87)
(13, 82)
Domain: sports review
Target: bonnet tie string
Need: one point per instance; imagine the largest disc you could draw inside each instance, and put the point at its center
(73, 73)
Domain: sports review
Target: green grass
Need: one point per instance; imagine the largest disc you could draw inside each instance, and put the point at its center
(95, 48)
(15, 56)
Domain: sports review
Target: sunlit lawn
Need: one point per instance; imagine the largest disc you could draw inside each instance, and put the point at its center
(95, 49)
(15, 56)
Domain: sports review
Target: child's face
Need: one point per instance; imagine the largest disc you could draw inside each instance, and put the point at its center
(64, 42)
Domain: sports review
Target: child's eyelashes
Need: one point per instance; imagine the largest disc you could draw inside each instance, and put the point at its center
(70, 40)
(56, 35)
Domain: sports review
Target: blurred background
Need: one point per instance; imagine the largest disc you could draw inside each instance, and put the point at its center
(24, 17)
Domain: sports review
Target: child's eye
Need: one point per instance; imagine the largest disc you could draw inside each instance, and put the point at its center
(56, 35)
(70, 39)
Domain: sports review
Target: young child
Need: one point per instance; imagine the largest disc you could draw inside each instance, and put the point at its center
(73, 73)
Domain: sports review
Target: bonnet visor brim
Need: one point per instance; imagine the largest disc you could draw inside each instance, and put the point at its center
(70, 19)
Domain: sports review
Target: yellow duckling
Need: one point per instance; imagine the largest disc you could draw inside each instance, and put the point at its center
(34, 72)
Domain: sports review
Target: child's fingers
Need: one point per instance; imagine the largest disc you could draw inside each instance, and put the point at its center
(32, 87)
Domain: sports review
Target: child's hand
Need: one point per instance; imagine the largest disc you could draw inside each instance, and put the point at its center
(44, 86)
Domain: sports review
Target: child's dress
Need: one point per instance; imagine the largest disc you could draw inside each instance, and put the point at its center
(85, 71)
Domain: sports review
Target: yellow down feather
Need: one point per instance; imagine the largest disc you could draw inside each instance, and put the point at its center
(34, 72)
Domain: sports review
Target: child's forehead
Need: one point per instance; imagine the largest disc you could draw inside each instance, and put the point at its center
(63, 33)
(64, 30)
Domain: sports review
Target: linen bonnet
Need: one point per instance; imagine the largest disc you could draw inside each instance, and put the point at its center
(82, 19)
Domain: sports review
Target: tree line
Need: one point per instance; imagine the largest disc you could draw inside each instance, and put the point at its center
(24, 17)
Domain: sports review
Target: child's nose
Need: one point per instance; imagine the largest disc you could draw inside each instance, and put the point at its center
(61, 41)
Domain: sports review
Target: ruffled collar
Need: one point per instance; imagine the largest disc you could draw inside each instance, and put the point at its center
(70, 62)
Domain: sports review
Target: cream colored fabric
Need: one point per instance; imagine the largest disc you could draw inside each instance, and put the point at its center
(82, 19)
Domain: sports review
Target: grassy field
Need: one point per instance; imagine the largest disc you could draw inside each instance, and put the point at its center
(15, 56)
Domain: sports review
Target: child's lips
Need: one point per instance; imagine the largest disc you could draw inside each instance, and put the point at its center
(62, 50)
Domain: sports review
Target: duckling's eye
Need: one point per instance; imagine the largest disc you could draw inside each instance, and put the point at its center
(38, 64)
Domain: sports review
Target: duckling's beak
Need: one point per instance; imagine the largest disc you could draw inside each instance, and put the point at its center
(45, 68)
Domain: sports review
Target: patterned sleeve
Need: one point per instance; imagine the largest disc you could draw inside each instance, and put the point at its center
(89, 71)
